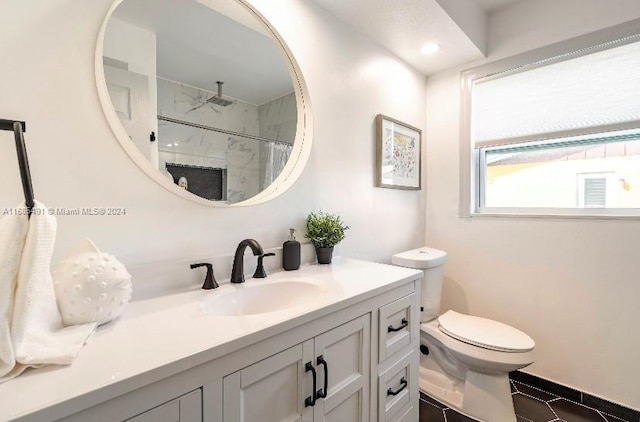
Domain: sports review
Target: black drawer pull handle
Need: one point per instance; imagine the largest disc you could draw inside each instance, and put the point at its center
(403, 385)
(311, 400)
(322, 393)
(393, 329)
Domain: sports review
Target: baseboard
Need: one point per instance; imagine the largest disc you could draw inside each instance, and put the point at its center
(577, 396)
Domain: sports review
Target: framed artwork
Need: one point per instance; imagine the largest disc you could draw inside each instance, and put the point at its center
(398, 158)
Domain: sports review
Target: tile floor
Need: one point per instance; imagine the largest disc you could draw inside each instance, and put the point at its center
(531, 404)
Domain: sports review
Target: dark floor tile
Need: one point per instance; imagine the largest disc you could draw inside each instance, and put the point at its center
(610, 418)
(453, 416)
(605, 406)
(534, 392)
(573, 412)
(521, 419)
(430, 413)
(513, 387)
(548, 386)
(433, 401)
(532, 409)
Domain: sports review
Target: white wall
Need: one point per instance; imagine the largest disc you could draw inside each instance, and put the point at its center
(76, 161)
(570, 284)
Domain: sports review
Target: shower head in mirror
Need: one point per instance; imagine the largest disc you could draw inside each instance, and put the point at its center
(218, 99)
(215, 99)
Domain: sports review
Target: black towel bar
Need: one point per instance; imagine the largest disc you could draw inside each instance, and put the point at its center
(18, 128)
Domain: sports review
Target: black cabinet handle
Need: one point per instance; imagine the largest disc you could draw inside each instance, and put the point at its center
(403, 385)
(311, 400)
(392, 329)
(322, 393)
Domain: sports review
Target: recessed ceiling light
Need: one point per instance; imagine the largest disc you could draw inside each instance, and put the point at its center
(430, 48)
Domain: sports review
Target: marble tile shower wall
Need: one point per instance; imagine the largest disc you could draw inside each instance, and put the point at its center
(277, 119)
(197, 147)
(242, 169)
(244, 159)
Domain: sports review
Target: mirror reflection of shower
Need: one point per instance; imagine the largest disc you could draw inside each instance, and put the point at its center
(225, 126)
(277, 154)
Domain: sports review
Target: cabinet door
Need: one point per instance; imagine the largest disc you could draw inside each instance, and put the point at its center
(346, 351)
(187, 408)
(272, 390)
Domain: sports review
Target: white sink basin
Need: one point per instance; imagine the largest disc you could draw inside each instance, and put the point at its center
(259, 297)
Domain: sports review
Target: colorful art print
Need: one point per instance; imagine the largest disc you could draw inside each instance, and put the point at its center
(398, 155)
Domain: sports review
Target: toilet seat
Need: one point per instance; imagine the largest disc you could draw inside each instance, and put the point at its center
(483, 360)
(484, 333)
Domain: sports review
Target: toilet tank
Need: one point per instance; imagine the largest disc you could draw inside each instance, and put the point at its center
(431, 262)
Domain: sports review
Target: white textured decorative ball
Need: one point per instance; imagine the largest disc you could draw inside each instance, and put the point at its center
(91, 286)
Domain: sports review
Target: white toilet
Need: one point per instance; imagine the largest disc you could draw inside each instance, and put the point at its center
(465, 360)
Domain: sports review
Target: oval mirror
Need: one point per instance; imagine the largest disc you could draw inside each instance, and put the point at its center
(205, 97)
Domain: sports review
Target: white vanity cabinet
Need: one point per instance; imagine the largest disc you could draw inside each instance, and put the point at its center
(280, 388)
(370, 350)
(362, 347)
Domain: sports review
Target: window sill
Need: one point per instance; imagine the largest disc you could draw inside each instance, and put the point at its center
(556, 214)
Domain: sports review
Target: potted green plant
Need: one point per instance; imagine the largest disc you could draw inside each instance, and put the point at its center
(325, 230)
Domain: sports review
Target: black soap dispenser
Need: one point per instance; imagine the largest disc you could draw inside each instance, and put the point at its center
(291, 253)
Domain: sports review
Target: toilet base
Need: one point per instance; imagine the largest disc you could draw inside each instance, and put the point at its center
(484, 397)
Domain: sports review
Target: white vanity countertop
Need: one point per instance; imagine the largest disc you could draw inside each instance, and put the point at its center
(160, 337)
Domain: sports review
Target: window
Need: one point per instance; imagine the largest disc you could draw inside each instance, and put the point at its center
(562, 175)
(594, 190)
(555, 131)
(594, 193)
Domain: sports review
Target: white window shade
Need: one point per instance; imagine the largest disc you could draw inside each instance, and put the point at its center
(601, 89)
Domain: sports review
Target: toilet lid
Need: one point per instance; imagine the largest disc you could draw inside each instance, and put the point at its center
(485, 333)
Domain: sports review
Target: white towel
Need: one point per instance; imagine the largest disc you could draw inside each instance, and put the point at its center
(13, 231)
(37, 335)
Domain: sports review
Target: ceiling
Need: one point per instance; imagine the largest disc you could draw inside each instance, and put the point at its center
(493, 5)
(459, 26)
(230, 46)
(253, 68)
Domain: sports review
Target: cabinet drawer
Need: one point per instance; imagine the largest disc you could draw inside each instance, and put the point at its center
(397, 390)
(187, 408)
(395, 327)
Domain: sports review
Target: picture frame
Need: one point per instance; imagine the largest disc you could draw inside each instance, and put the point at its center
(398, 154)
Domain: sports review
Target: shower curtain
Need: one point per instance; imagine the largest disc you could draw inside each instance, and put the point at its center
(277, 156)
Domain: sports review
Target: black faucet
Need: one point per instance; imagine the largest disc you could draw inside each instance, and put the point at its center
(260, 272)
(237, 273)
(209, 281)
